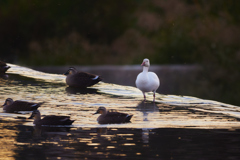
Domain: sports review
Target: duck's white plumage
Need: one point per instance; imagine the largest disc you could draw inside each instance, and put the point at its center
(147, 81)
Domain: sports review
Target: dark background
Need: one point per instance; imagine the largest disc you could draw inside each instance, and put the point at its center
(93, 32)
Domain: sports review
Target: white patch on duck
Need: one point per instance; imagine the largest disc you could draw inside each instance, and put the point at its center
(95, 78)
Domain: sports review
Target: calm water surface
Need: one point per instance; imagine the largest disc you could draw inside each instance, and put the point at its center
(175, 127)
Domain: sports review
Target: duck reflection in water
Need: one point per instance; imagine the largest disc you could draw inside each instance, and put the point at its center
(75, 90)
(108, 117)
(102, 130)
(147, 108)
(39, 131)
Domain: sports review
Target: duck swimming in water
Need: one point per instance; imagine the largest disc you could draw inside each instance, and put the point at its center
(107, 117)
(80, 79)
(50, 120)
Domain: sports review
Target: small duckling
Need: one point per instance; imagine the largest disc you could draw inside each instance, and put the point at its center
(50, 120)
(107, 117)
(11, 106)
(80, 79)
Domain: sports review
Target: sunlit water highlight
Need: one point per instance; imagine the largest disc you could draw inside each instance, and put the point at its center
(168, 111)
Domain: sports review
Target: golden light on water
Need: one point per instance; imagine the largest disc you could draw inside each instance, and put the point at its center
(93, 144)
(129, 144)
(110, 147)
(8, 141)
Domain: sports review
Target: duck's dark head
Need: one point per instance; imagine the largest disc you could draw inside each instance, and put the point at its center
(35, 114)
(101, 110)
(70, 71)
(8, 101)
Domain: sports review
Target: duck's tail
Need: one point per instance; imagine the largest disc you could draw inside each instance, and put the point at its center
(128, 118)
(69, 122)
(36, 105)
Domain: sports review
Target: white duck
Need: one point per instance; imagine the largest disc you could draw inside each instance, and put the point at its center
(147, 81)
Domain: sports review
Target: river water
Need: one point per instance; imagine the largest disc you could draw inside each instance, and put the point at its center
(175, 127)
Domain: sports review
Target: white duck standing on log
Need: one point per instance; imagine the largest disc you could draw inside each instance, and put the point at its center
(147, 81)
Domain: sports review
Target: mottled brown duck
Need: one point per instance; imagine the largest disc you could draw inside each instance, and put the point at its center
(80, 79)
(3, 68)
(11, 106)
(50, 119)
(108, 117)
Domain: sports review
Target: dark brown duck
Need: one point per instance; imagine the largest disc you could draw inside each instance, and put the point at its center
(11, 106)
(108, 117)
(3, 68)
(50, 120)
(80, 79)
